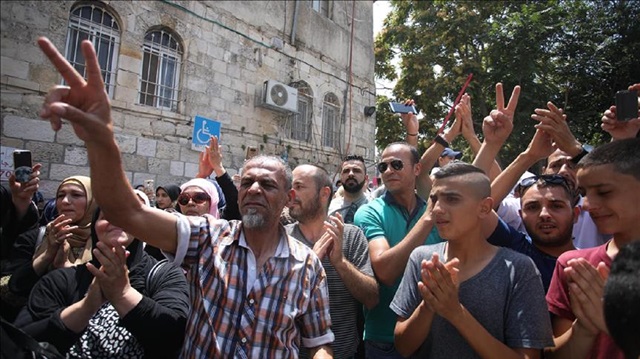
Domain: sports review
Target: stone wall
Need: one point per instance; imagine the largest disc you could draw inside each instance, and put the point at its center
(228, 54)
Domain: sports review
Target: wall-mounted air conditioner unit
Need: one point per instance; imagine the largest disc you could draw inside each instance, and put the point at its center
(280, 97)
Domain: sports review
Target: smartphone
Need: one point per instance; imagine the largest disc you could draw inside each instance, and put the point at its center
(626, 105)
(397, 107)
(148, 186)
(22, 165)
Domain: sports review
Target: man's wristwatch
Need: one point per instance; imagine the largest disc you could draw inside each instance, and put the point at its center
(585, 150)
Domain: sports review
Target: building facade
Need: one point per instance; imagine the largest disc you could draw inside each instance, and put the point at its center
(167, 62)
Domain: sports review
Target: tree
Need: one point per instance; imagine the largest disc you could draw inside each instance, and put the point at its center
(574, 53)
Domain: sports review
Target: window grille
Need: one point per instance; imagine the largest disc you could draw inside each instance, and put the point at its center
(331, 121)
(302, 121)
(94, 23)
(159, 81)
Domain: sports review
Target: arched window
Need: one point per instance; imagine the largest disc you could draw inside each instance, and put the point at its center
(331, 121)
(160, 78)
(93, 22)
(301, 123)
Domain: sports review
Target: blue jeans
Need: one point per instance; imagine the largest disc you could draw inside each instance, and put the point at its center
(380, 350)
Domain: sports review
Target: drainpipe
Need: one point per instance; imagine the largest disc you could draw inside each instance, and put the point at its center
(295, 23)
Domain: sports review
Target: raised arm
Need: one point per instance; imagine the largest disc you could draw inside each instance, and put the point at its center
(411, 125)
(621, 129)
(496, 128)
(463, 112)
(86, 105)
(389, 262)
(539, 148)
(211, 162)
(430, 156)
(553, 121)
(22, 193)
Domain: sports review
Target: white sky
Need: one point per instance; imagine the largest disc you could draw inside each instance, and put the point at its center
(380, 11)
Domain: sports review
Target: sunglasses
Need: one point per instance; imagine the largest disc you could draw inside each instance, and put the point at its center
(547, 179)
(198, 198)
(395, 164)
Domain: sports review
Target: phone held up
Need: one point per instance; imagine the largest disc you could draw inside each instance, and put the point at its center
(149, 190)
(22, 165)
(397, 107)
(626, 105)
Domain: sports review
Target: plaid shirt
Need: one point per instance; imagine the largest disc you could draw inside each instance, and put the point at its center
(287, 304)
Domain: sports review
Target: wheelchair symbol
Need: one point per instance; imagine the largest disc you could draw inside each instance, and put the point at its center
(204, 134)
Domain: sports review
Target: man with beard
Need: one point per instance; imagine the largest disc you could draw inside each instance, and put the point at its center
(562, 159)
(256, 292)
(354, 179)
(548, 214)
(343, 250)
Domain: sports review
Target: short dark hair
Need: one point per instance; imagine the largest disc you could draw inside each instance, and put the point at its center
(321, 179)
(482, 183)
(415, 155)
(542, 183)
(624, 155)
(354, 158)
(357, 158)
(621, 298)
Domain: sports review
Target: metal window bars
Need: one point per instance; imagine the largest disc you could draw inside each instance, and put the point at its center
(161, 63)
(94, 23)
(330, 121)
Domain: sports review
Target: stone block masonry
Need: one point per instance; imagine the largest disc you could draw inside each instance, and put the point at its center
(226, 55)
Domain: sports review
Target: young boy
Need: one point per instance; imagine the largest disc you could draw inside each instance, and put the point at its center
(610, 177)
(479, 300)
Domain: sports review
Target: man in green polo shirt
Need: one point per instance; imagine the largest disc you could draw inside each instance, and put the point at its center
(393, 226)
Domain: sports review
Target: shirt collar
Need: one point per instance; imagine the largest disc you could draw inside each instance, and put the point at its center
(389, 199)
(282, 251)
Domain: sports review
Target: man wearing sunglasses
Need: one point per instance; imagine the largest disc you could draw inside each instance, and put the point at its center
(344, 253)
(256, 292)
(393, 228)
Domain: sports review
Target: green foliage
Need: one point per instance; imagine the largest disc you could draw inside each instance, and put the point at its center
(576, 54)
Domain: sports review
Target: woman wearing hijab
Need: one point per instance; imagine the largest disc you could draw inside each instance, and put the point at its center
(198, 197)
(122, 304)
(66, 240)
(167, 196)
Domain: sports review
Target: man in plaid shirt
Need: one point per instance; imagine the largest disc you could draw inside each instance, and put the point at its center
(255, 292)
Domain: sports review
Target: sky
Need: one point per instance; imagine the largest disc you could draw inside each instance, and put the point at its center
(380, 11)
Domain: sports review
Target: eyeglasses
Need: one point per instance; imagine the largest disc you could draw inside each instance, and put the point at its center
(198, 198)
(395, 164)
(547, 179)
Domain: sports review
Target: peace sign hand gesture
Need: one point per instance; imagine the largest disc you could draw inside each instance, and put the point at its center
(498, 125)
(84, 103)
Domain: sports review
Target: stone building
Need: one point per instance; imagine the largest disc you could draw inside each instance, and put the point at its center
(166, 62)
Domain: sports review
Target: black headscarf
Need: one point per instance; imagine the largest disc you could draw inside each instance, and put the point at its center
(172, 190)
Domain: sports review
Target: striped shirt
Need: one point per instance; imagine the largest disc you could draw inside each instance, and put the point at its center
(344, 307)
(287, 305)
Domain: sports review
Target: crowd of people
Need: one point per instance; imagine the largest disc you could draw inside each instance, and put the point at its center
(446, 259)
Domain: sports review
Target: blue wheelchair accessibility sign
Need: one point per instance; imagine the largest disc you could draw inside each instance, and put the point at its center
(203, 129)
